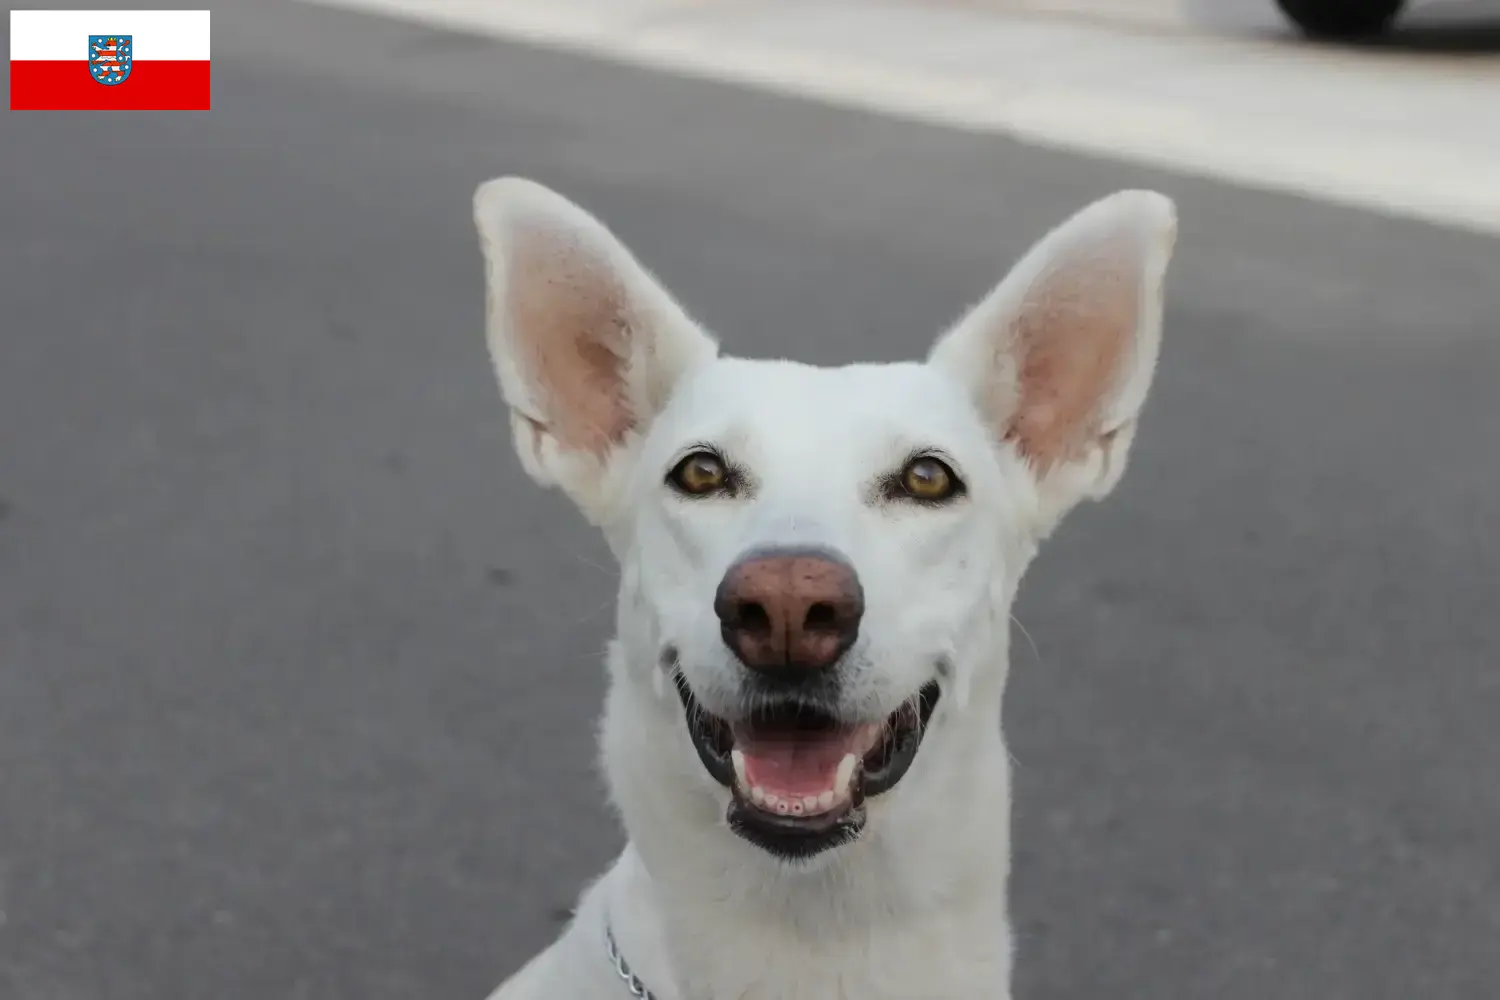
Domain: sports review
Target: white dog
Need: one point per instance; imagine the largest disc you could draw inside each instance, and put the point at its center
(817, 567)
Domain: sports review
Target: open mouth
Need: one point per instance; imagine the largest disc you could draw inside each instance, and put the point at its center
(799, 775)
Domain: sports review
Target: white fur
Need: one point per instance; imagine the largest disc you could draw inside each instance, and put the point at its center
(916, 908)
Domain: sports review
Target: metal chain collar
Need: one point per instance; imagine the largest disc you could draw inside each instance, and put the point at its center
(622, 968)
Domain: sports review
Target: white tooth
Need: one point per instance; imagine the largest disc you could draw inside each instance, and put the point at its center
(825, 801)
(810, 803)
(771, 800)
(797, 808)
(845, 773)
(739, 767)
(757, 795)
(782, 806)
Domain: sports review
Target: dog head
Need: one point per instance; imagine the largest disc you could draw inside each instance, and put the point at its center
(817, 564)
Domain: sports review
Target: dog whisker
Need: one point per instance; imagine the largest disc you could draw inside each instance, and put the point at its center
(591, 564)
(1034, 649)
(594, 613)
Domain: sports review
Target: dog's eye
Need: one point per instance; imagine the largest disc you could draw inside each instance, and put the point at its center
(929, 480)
(699, 473)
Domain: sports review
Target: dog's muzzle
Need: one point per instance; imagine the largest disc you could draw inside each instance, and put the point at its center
(798, 773)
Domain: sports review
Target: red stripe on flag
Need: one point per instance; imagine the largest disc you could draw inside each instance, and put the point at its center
(67, 85)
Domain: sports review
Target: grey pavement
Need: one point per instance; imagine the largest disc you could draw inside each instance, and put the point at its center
(297, 672)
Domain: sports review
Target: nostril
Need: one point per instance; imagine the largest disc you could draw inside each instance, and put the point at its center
(821, 617)
(752, 617)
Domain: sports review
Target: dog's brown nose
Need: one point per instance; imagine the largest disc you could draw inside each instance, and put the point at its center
(786, 612)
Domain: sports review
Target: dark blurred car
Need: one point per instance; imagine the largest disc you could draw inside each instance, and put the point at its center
(1342, 19)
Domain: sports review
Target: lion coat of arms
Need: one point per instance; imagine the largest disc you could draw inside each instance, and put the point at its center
(109, 58)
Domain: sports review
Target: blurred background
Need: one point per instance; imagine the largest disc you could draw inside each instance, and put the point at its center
(298, 673)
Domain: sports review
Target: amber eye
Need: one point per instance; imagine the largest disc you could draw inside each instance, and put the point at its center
(701, 472)
(928, 479)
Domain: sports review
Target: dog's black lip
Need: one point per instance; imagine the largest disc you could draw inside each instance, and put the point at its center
(795, 838)
(908, 742)
(717, 764)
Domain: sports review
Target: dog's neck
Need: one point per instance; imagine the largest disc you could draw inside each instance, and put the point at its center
(917, 907)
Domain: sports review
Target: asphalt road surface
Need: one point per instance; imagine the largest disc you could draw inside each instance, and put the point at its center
(297, 672)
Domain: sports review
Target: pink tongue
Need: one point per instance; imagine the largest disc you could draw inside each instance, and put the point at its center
(800, 763)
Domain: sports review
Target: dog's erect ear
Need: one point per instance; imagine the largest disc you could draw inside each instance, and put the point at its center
(587, 346)
(1059, 357)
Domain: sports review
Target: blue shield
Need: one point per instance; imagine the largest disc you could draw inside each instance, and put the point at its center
(110, 57)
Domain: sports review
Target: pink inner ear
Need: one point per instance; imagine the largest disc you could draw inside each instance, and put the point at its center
(570, 320)
(1072, 338)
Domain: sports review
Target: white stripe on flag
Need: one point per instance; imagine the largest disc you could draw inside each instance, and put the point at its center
(159, 35)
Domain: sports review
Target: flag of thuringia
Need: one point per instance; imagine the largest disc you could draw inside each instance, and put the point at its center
(102, 60)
